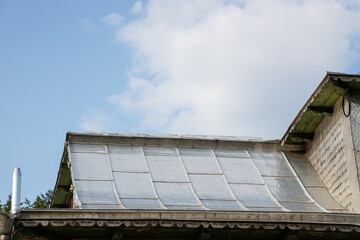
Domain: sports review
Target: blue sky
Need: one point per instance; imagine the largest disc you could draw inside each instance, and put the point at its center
(189, 67)
(53, 68)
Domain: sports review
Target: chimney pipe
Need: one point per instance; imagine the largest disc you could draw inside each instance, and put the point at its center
(16, 190)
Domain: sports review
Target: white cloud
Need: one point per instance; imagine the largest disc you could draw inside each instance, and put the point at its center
(88, 27)
(137, 8)
(113, 20)
(233, 67)
(95, 121)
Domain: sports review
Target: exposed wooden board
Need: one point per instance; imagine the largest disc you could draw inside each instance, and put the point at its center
(333, 86)
(330, 102)
(62, 193)
(316, 111)
(318, 103)
(314, 124)
(310, 126)
(323, 95)
(65, 177)
(305, 120)
(60, 197)
(311, 119)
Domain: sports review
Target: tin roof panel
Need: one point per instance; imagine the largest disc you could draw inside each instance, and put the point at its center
(173, 177)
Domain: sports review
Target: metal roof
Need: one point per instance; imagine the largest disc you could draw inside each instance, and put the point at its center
(179, 136)
(122, 172)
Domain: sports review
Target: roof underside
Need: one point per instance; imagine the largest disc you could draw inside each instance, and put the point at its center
(133, 173)
(320, 105)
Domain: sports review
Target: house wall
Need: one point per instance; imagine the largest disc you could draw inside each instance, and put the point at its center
(332, 155)
(355, 130)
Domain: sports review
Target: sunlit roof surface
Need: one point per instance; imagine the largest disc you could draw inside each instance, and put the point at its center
(120, 176)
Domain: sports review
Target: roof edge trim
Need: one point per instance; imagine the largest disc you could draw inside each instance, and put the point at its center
(179, 141)
(89, 218)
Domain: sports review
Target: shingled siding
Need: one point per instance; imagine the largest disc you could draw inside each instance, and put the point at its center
(331, 153)
(355, 128)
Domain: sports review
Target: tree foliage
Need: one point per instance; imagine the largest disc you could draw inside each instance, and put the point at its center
(6, 207)
(42, 200)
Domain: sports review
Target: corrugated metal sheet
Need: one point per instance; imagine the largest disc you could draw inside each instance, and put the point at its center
(107, 176)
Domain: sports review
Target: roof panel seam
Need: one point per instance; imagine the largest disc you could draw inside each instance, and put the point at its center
(162, 205)
(158, 181)
(246, 183)
(227, 182)
(126, 171)
(304, 202)
(204, 173)
(190, 183)
(112, 177)
(301, 185)
(149, 198)
(266, 186)
(278, 176)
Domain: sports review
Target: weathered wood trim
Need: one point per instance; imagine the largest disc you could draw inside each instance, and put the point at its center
(190, 219)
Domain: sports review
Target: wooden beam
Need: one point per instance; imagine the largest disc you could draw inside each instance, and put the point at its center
(66, 188)
(300, 137)
(339, 86)
(327, 111)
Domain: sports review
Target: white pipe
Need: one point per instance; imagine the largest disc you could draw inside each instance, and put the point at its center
(16, 190)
